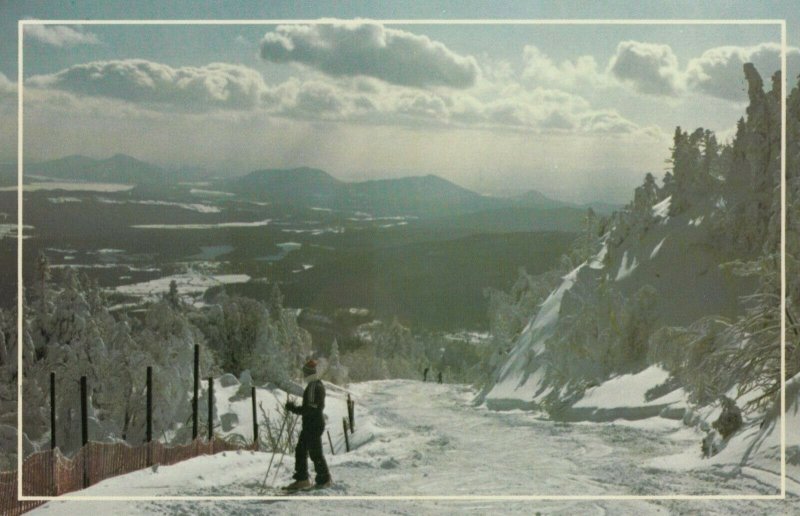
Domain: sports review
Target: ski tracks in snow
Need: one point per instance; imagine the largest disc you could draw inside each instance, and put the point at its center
(425, 439)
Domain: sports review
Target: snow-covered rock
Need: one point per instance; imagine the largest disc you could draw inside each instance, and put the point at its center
(227, 380)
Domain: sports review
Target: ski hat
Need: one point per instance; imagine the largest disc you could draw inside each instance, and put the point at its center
(310, 367)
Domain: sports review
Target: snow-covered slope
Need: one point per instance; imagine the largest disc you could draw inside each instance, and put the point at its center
(671, 254)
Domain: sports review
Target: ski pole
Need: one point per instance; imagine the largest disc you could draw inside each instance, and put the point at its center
(278, 467)
(274, 451)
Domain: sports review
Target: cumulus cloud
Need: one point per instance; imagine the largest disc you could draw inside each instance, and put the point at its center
(216, 85)
(60, 35)
(718, 71)
(370, 49)
(540, 68)
(130, 85)
(648, 67)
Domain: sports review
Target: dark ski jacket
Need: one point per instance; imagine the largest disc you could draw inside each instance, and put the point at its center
(312, 407)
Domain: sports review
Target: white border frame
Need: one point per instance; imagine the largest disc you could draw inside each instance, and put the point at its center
(21, 24)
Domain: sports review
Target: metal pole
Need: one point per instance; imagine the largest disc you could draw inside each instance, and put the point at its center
(195, 408)
(210, 408)
(52, 410)
(346, 439)
(255, 421)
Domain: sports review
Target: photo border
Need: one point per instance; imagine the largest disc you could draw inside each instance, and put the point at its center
(21, 24)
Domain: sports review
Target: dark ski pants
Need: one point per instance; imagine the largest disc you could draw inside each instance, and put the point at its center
(310, 444)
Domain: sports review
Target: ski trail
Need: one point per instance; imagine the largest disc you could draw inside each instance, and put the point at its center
(425, 439)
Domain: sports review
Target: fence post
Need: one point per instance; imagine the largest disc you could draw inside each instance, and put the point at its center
(210, 408)
(346, 439)
(54, 491)
(255, 421)
(149, 424)
(330, 442)
(149, 403)
(85, 430)
(52, 410)
(196, 388)
(351, 413)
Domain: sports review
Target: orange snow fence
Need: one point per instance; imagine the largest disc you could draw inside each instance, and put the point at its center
(49, 473)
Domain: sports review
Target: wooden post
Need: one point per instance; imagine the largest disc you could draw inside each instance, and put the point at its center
(52, 410)
(149, 420)
(210, 408)
(149, 403)
(84, 412)
(85, 430)
(255, 421)
(330, 442)
(351, 413)
(346, 439)
(195, 408)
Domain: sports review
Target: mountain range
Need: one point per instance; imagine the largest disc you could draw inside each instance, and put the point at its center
(428, 195)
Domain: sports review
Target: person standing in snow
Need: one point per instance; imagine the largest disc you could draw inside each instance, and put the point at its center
(440, 377)
(425, 374)
(310, 441)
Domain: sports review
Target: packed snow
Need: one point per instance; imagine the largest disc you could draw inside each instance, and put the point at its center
(424, 439)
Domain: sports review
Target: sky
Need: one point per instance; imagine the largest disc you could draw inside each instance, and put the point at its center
(579, 112)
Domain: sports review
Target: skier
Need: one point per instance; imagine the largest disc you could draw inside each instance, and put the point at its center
(310, 441)
(425, 374)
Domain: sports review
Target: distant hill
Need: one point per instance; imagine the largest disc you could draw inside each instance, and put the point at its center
(536, 199)
(298, 186)
(429, 195)
(119, 168)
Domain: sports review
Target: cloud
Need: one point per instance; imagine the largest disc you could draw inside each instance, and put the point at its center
(648, 67)
(60, 35)
(147, 87)
(718, 71)
(7, 88)
(370, 49)
(216, 85)
(541, 69)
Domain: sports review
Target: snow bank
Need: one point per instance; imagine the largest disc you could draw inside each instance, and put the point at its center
(624, 397)
(754, 452)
